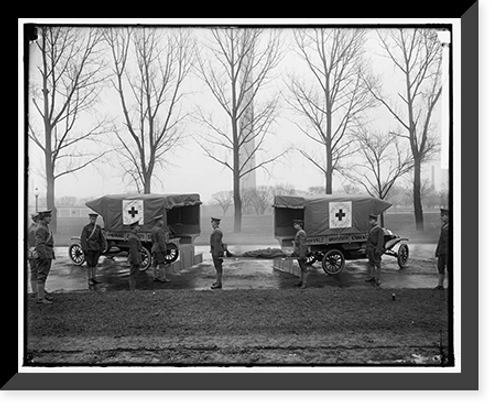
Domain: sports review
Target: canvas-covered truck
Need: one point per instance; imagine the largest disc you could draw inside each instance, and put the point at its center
(181, 214)
(337, 228)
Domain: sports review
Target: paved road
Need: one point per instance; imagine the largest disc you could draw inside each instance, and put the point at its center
(245, 273)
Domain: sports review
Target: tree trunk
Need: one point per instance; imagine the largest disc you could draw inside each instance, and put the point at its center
(237, 203)
(417, 200)
(329, 170)
(51, 204)
(147, 183)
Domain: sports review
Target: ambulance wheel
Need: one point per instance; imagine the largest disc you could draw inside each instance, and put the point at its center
(145, 259)
(403, 254)
(172, 253)
(76, 254)
(333, 262)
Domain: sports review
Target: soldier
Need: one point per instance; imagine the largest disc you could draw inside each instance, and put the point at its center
(300, 250)
(44, 244)
(159, 238)
(374, 250)
(442, 249)
(134, 254)
(32, 253)
(93, 244)
(217, 251)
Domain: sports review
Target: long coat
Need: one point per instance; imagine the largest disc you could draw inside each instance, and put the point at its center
(92, 240)
(216, 246)
(442, 246)
(376, 240)
(134, 252)
(159, 237)
(300, 247)
(44, 241)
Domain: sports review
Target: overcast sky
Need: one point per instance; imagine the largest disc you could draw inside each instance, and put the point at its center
(190, 170)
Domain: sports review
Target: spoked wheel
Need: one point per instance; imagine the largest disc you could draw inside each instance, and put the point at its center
(333, 262)
(172, 253)
(403, 254)
(76, 254)
(145, 259)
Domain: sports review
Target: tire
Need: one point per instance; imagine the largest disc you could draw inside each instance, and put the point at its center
(76, 254)
(146, 259)
(172, 253)
(403, 254)
(333, 262)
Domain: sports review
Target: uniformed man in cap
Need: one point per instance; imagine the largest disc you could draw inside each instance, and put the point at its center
(134, 254)
(217, 251)
(442, 252)
(93, 245)
(374, 250)
(160, 238)
(32, 253)
(44, 246)
(300, 250)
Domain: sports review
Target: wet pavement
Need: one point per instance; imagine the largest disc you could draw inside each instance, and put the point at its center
(244, 273)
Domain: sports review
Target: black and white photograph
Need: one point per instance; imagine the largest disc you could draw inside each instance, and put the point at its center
(227, 196)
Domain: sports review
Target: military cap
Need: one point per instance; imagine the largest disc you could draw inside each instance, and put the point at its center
(374, 217)
(93, 215)
(158, 217)
(298, 222)
(445, 211)
(45, 213)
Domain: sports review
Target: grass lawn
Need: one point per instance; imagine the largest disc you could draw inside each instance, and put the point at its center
(234, 327)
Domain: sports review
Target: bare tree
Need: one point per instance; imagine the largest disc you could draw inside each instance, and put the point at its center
(336, 97)
(382, 162)
(150, 65)
(286, 189)
(259, 199)
(236, 65)
(71, 72)
(416, 53)
(224, 199)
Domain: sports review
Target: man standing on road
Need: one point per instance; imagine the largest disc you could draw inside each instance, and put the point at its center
(300, 250)
(93, 244)
(32, 253)
(134, 254)
(159, 238)
(44, 246)
(374, 250)
(442, 249)
(217, 252)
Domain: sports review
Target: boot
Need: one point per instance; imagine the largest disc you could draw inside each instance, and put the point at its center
(34, 288)
(41, 293)
(371, 278)
(304, 280)
(440, 282)
(131, 284)
(218, 281)
(94, 270)
(378, 271)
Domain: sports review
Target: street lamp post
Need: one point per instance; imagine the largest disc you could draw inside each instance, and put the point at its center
(37, 192)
